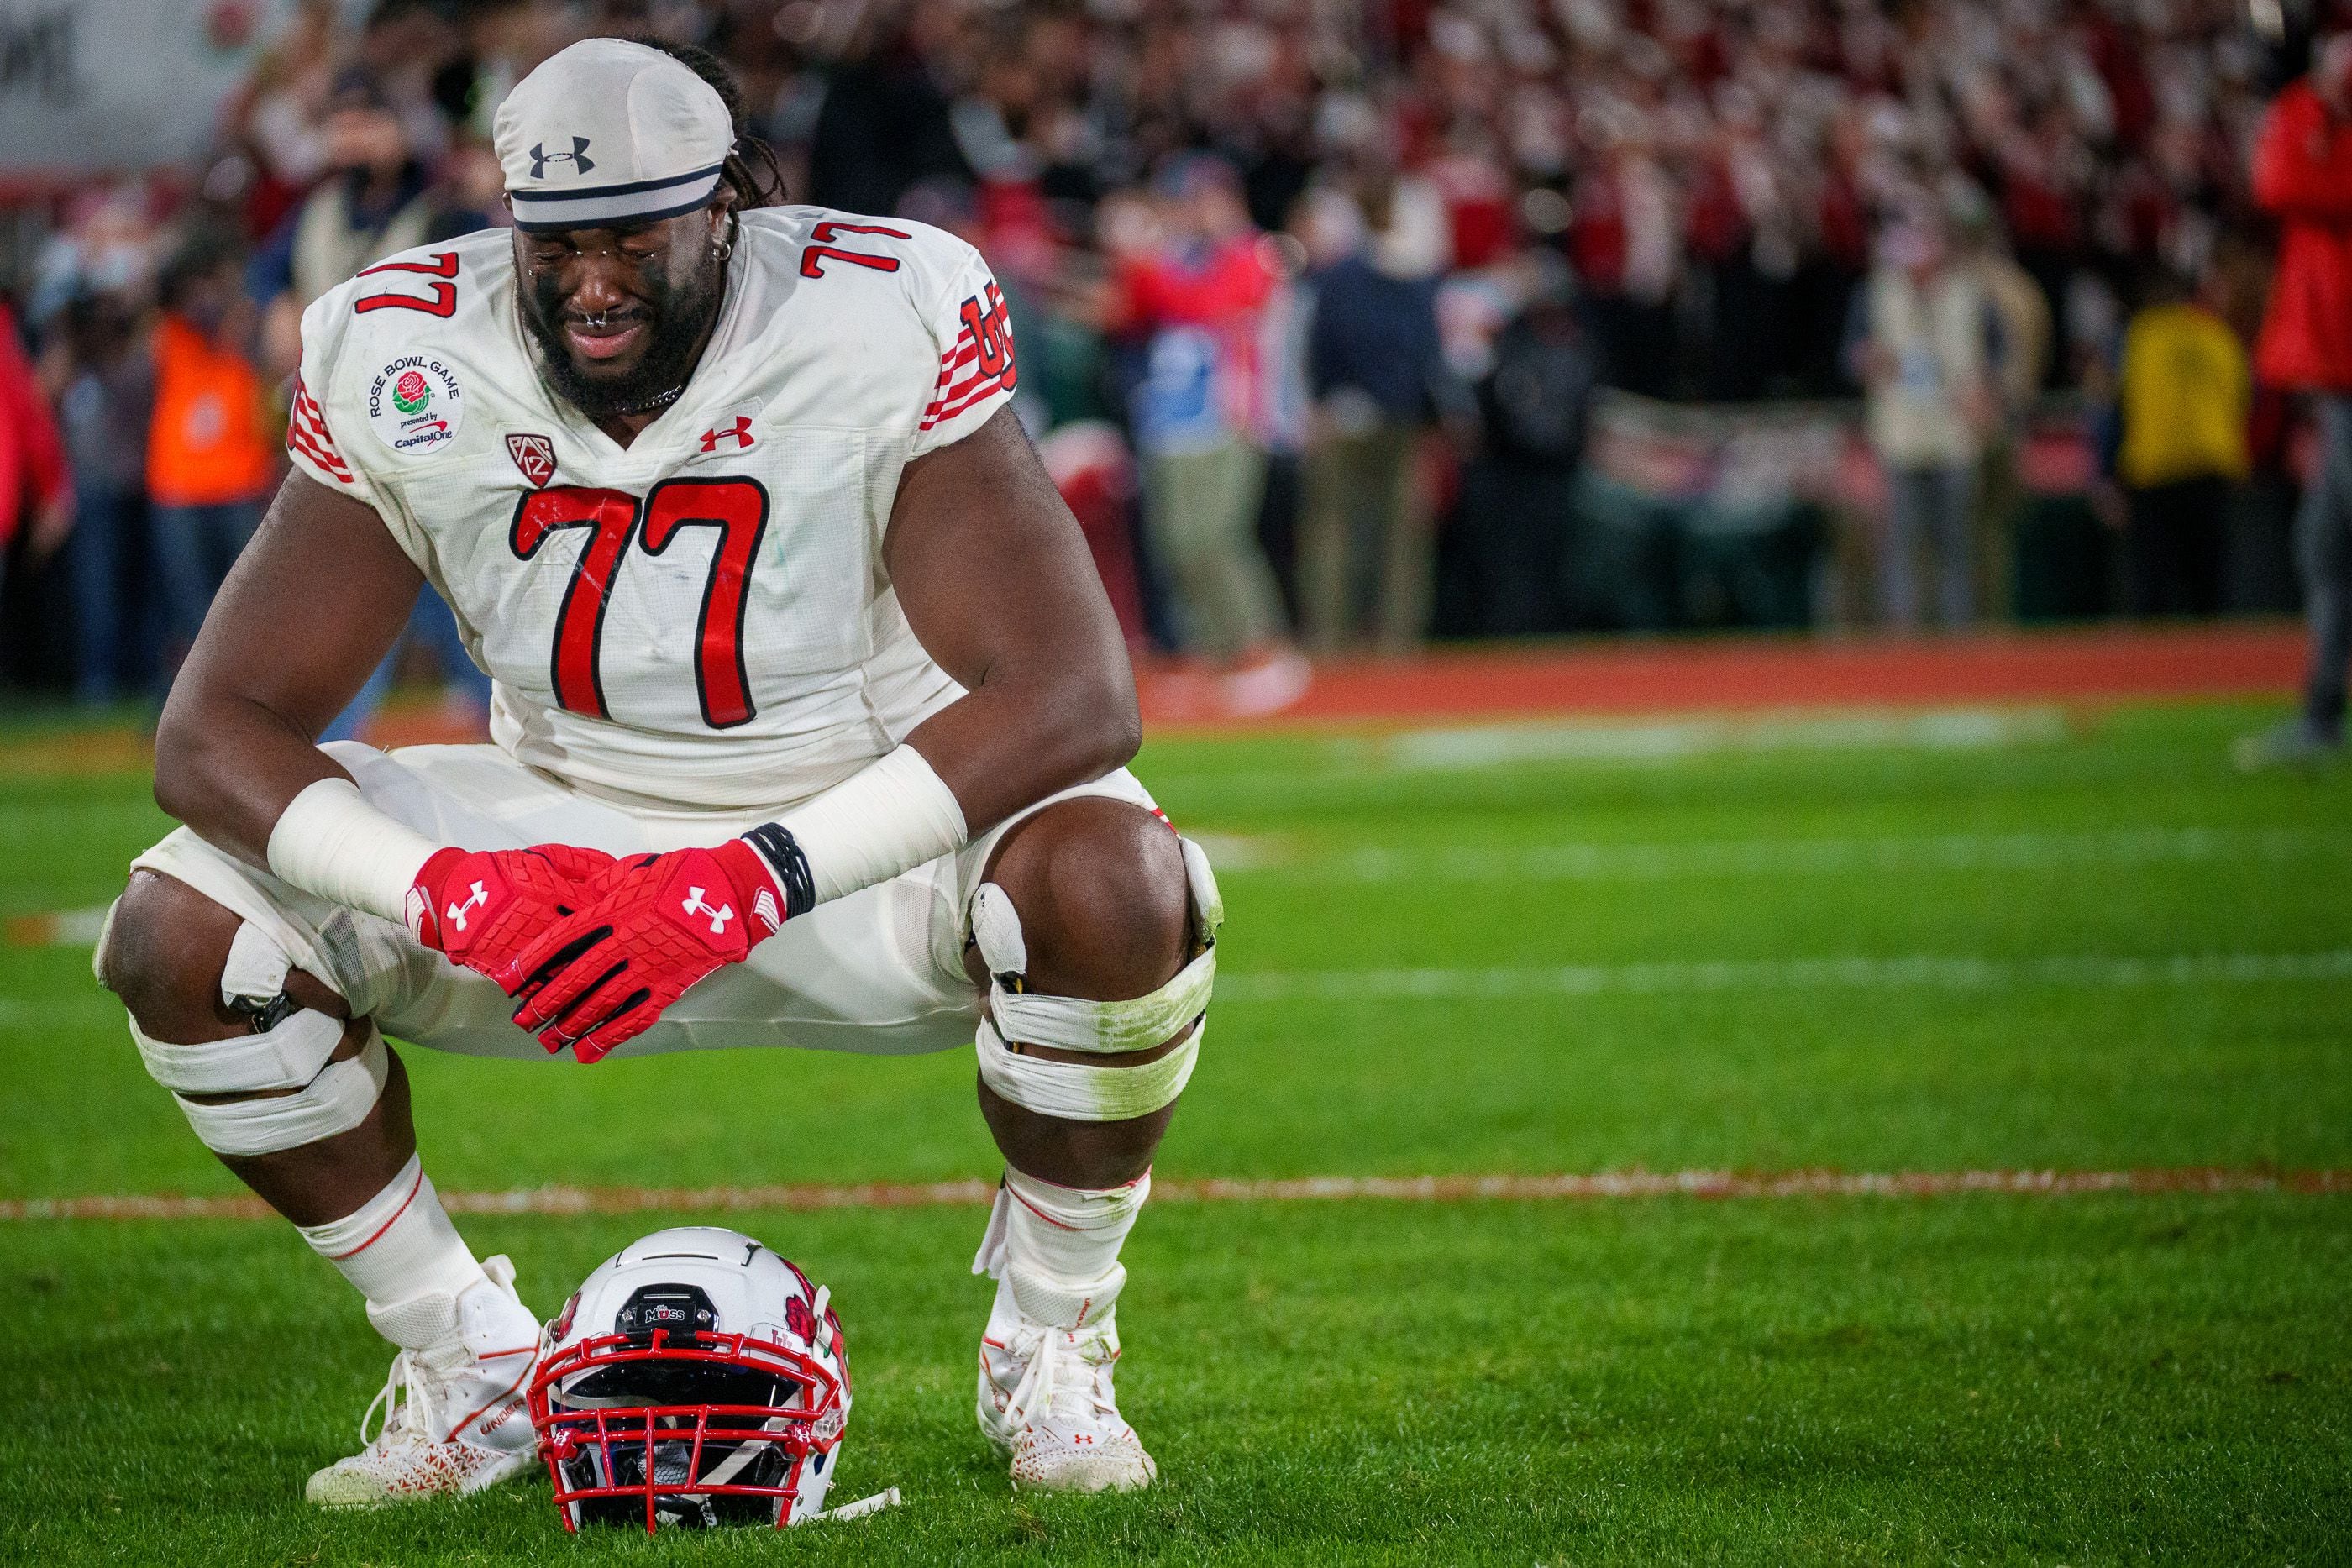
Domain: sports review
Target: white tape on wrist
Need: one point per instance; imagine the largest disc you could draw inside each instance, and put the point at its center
(330, 842)
(888, 818)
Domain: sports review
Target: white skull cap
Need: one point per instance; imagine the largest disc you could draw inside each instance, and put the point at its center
(610, 132)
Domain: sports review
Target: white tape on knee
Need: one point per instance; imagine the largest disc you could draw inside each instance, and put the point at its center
(336, 1099)
(1108, 1029)
(98, 948)
(1071, 1024)
(255, 971)
(286, 1057)
(1086, 1091)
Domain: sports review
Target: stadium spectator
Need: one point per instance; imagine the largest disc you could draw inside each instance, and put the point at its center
(2183, 392)
(210, 460)
(107, 371)
(367, 198)
(1519, 505)
(1373, 361)
(36, 487)
(374, 200)
(2303, 174)
(1920, 357)
(1713, 172)
(1198, 296)
(1627, 242)
(2018, 360)
(885, 120)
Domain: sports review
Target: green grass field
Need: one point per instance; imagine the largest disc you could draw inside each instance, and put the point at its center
(2005, 941)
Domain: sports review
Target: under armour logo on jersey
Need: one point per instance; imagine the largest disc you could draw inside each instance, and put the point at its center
(578, 158)
(720, 914)
(739, 432)
(457, 911)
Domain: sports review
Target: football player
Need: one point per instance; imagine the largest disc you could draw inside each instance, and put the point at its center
(810, 729)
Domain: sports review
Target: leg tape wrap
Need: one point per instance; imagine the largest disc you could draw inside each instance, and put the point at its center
(1082, 1090)
(1068, 1023)
(286, 1057)
(335, 1100)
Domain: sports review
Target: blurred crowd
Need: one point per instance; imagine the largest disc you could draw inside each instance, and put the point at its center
(1320, 304)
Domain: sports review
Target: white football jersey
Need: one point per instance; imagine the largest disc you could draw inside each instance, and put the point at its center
(702, 618)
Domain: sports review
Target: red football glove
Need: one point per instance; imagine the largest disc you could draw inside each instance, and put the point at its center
(483, 907)
(657, 923)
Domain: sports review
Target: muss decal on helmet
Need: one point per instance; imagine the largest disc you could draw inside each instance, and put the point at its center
(683, 1311)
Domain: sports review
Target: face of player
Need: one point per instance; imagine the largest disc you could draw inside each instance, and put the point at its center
(621, 314)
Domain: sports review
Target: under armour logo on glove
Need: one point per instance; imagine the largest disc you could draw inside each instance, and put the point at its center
(720, 914)
(510, 897)
(457, 915)
(578, 158)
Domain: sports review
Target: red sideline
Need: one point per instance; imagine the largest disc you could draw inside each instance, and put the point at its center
(2146, 1182)
(1628, 676)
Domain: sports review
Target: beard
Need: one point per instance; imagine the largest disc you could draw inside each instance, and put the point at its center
(677, 314)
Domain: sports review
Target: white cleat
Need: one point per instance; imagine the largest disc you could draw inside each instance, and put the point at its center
(1045, 1395)
(454, 1416)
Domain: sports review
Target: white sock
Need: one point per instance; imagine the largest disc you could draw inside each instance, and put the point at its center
(399, 1245)
(1069, 1235)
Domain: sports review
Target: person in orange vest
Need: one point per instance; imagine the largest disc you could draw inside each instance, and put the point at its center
(210, 460)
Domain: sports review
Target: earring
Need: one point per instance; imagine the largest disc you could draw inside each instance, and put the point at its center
(724, 246)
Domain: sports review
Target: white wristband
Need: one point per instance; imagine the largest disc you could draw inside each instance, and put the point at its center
(330, 842)
(887, 817)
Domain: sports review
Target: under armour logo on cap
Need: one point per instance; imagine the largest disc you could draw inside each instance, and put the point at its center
(578, 158)
(661, 136)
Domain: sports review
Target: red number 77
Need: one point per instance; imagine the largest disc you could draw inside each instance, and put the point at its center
(814, 258)
(736, 507)
(443, 302)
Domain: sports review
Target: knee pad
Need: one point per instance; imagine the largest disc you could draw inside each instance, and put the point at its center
(288, 1050)
(1089, 1092)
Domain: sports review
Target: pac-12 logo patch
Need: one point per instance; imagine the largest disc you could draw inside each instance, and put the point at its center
(413, 405)
(535, 455)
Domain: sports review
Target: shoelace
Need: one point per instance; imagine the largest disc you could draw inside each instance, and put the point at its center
(406, 1400)
(1044, 1378)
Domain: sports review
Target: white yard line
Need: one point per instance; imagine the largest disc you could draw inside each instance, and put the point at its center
(1922, 971)
(1634, 1184)
(1674, 740)
(1804, 857)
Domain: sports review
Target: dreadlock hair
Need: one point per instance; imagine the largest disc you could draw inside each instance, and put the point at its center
(751, 170)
